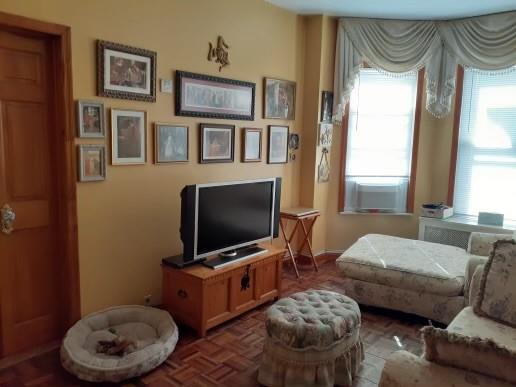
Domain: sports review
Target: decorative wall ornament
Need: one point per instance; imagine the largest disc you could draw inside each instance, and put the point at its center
(325, 134)
(398, 46)
(219, 53)
(293, 145)
(323, 170)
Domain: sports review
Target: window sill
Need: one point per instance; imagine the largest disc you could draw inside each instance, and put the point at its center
(377, 213)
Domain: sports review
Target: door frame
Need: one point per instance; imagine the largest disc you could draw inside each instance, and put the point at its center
(63, 134)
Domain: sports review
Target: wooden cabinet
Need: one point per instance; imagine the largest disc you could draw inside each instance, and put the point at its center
(203, 298)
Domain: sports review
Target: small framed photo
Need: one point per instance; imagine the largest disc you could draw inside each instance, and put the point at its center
(251, 145)
(217, 143)
(278, 144)
(326, 106)
(325, 134)
(170, 143)
(126, 72)
(280, 99)
(90, 119)
(128, 135)
(91, 162)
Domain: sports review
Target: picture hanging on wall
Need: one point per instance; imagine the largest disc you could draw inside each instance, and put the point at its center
(128, 135)
(92, 162)
(325, 134)
(217, 143)
(251, 145)
(280, 99)
(278, 144)
(126, 72)
(199, 95)
(170, 143)
(90, 119)
(326, 106)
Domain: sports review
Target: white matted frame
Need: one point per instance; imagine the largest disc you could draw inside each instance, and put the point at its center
(82, 131)
(86, 164)
(278, 144)
(128, 144)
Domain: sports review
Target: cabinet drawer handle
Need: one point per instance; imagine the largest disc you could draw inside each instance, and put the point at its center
(182, 293)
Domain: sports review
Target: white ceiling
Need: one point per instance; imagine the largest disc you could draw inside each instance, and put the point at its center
(398, 9)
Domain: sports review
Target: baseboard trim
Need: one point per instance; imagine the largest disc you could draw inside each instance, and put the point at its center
(11, 360)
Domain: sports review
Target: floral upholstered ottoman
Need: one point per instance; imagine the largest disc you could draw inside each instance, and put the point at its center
(313, 339)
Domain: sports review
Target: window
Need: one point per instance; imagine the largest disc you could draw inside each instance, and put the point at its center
(380, 134)
(485, 177)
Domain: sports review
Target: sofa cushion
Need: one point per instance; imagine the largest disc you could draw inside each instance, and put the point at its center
(406, 263)
(473, 343)
(497, 295)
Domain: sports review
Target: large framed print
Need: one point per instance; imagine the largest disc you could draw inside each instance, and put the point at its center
(199, 95)
(126, 72)
(279, 99)
(217, 143)
(278, 144)
(170, 143)
(128, 135)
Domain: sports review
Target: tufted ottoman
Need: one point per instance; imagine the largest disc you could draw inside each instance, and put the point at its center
(313, 339)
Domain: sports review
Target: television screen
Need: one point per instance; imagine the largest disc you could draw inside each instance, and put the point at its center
(232, 215)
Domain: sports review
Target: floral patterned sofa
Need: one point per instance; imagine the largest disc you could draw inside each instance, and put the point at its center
(478, 348)
(428, 279)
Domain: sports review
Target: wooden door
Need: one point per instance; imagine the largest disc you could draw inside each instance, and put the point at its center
(29, 262)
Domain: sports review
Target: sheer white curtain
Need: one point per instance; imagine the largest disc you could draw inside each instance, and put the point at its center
(485, 42)
(486, 158)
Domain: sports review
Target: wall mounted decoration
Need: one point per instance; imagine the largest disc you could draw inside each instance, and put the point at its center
(325, 134)
(251, 145)
(279, 99)
(278, 144)
(165, 86)
(326, 106)
(293, 145)
(199, 95)
(90, 119)
(92, 162)
(323, 170)
(170, 143)
(219, 53)
(128, 137)
(217, 143)
(126, 72)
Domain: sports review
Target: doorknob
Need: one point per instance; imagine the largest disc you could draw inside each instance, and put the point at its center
(7, 217)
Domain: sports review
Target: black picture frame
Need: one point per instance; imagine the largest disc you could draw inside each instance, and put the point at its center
(149, 55)
(326, 106)
(206, 160)
(181, 108)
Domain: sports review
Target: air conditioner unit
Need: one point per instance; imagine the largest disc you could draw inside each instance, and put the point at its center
(381, 197)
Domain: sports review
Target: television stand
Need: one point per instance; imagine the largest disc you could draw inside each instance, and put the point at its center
(240, 254)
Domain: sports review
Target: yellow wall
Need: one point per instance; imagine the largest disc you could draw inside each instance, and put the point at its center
(130, 221)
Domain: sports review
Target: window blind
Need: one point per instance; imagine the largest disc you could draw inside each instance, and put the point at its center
(380, 134)
(485, 178)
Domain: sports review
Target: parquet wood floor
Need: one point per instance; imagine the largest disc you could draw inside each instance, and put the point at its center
(230, 354)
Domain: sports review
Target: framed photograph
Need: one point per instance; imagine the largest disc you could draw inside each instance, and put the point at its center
(217, 143)
(326, 106)
(325, 134)
(199, 95)
(293, 141)
(126, 72)
(278, 144)
(170, 143)
(128, 134)
(91, 162)
(90, 119)
(280, 99)
(251, 145)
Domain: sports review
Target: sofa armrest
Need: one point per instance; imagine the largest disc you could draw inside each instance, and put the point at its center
(404, 369)
(474, 285)
(480, 243)
(475, 262)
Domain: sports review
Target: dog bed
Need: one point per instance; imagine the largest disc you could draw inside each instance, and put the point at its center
(152, 333)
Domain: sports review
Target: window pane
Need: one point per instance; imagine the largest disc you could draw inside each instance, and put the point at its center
(380, 130)
(486, 159)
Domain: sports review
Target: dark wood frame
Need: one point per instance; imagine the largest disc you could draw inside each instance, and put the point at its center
(64, 137)
(156, 143)
(459, 87)
(265, 112)
(326, 95)
(80, 162)
(244, 141)
(113, 135)
(79, 115)
(202, 127)
(101, 91)
(209, 78)
(269, 145)
(415, 148)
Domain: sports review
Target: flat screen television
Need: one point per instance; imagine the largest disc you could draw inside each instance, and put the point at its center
(221, 218)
